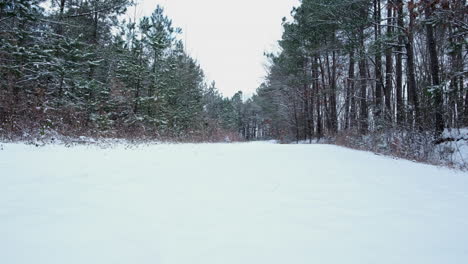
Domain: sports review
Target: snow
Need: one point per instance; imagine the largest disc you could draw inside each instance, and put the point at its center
(226, 203)
(458, 133)
(457, 147)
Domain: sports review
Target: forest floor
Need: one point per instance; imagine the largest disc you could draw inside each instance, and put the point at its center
(226, 203)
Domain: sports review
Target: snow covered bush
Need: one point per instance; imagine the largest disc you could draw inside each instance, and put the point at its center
(451, 150)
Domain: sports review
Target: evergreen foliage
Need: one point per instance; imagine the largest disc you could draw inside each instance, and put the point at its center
(75, 67)
(365, 67)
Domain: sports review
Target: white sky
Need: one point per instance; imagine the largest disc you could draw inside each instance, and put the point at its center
(227, 37)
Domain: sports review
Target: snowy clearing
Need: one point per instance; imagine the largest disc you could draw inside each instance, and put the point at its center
(227, 203)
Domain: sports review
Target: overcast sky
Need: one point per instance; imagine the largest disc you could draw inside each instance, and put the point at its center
(227, 37)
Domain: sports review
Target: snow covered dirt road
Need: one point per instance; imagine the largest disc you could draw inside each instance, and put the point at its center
(227, 203)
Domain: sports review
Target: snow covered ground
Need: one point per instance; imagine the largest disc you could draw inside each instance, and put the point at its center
(227, 203)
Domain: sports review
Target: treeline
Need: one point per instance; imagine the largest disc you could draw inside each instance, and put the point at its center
(346, 68)
(363, 67)
(74, 67)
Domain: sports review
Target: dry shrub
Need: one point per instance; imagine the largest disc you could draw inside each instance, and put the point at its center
(411, 145)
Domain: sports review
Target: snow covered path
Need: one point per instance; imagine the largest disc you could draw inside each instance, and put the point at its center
(227, 203)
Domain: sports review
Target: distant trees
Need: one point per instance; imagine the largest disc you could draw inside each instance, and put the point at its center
(367, 66)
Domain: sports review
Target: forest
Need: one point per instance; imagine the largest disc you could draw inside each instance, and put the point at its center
(388, 74)
(383, 75)
(76, 67)
(368, 66)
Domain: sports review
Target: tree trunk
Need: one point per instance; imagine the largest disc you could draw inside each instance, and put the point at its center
(399, 66)
(60, 18)
(324, 87)
(307, 119)
(315, 72)
(349, 103)
(434, 67)
(296, 121)
(410, 67)
(363, 85)
(333, 113)
(306, 111)
(388, 65)
(378, 61)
